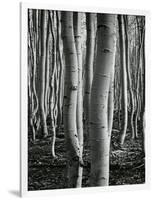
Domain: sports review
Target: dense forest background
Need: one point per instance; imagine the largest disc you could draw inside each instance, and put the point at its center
(86, 99)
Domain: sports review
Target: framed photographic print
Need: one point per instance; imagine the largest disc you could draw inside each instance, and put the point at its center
(83, 92)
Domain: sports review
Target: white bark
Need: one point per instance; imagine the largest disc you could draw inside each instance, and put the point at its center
(123, 80)
(99, 134)
(77, 35)
(70, 99)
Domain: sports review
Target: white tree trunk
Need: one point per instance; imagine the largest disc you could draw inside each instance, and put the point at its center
(42, 73)
(123, 80)
(90, 47)
(77, 35)
(70, 100)
(99, 134)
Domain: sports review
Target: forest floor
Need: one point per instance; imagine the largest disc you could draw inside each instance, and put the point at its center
(127, 164)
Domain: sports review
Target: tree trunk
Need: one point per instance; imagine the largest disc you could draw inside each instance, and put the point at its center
(111, 103)
(129, 80)
(53, 82)
(70, 100)
(99, 134)
(33, 61)
(123, 80)
(47, 73)
(138, 76)
(61, 75)
(42, 66)
(90, 46)
(77, 35)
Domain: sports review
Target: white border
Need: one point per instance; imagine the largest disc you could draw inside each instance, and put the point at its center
(23, 100)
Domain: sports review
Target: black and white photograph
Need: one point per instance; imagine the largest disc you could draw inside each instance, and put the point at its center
(85, 99)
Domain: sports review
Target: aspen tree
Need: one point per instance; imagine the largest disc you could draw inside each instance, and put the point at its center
(111, 103)
(53, 82)
(137, 63)
(33, 60)
(90, 46)
(77, 34)
(44, 15)
(70, 100)
(138, 75)
(61, 75)
(129, 80)
(47, 73)
(99, 134)
(123, 80)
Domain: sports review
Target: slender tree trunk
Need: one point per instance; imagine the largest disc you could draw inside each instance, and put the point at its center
(52, 93)
(44, 131)
(111, 102)
(70, 100)
(129, 80)
(61, 75)
(47, 73)
(33, 61)
(119, 103)
(139, 75)
(90, 46)
(124, 80)
(53, 82)
(77, 35)
(99, 134)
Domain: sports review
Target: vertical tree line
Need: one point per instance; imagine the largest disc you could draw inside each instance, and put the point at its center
(84, 71)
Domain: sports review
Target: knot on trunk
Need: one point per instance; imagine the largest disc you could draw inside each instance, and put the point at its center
(74, 87)
(106, 50)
